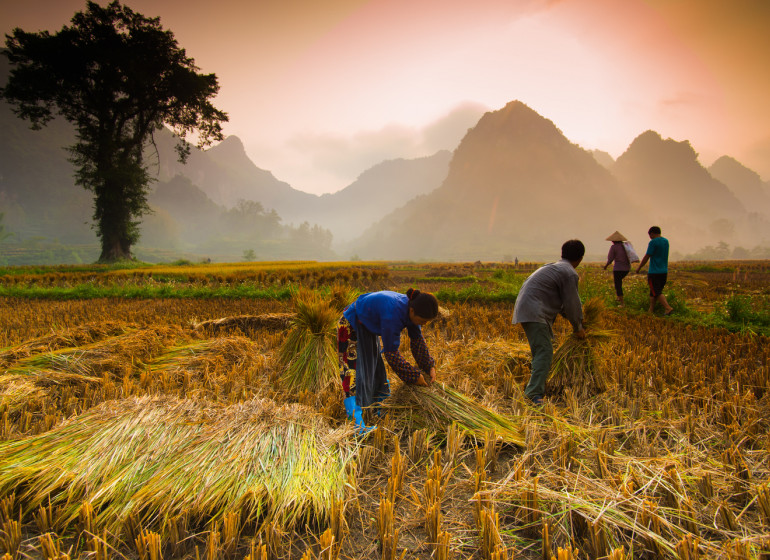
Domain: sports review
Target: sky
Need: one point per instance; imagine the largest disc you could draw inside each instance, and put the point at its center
(319, 91)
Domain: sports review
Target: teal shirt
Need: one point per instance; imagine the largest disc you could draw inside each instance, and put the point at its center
(657, 249)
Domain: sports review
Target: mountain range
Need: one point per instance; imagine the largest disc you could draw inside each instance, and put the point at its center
(517, 186)
(514, 187)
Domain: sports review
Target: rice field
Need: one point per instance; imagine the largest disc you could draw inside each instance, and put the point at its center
(181, 427)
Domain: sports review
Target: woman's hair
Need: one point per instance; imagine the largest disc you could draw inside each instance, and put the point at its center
(425, 304)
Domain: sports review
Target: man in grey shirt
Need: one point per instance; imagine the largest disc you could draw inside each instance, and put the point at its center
(549, 291)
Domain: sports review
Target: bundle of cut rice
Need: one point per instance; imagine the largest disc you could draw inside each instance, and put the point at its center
(158, 458)
(308, 355)
(438, 406)
(574, 363)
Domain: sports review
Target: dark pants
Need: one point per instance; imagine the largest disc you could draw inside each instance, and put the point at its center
(540, 338)
(656, 283)
(359, 350)
(618, 275)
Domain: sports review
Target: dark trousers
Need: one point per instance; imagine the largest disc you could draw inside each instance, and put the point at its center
(371, 377)
(540, 338)
(618, 275)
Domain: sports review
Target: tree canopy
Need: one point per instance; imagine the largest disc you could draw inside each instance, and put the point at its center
(118, 76)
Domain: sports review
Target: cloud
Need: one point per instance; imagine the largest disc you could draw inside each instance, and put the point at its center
(328, 162)
(349, 155)
(446, 133)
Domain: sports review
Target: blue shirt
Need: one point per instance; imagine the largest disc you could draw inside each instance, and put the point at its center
(385, 314)
(657, 249)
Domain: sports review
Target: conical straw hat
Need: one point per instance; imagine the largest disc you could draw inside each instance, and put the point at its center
(617, 236)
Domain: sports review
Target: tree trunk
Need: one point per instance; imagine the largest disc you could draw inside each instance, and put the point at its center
(114, 210)
(113, 250)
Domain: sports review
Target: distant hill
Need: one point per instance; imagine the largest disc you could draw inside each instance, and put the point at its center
(37, 190)
(375, 193)
(603, 158)
(226, 174)
(193, 212)
(672, 189)
(516, 186)
(746, 184)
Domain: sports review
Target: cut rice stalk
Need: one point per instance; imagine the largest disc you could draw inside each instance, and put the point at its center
(67, 338)
(270, 321)
(438, 406)
(160, 459)
(574, 363)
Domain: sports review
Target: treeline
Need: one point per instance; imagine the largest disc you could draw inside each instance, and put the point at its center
(181, 225)
(187, 220)
(723, 251)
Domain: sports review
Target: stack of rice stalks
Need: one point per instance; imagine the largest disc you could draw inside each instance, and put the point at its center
(76, 336)
(574, 363)
(220, 365)
(435, 408)
(43, 376)
(496, 363)
(155, 459)
(308, 355)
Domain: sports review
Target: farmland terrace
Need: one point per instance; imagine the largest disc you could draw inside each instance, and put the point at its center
(145, 413)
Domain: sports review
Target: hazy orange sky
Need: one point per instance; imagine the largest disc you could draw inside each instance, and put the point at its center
(320, 90)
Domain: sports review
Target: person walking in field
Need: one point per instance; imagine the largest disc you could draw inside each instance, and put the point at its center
(657, 274)
(622, 265)
(382, 315)
(549, 291)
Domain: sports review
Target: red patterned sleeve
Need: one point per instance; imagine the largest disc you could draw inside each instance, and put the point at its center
(421, 354)
(406, 371)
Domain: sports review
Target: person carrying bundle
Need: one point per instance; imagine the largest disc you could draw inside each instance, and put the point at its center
(622, 266)
(549, 291)
(382, 314)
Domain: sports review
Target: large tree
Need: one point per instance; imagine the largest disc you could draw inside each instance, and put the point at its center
(119, 77)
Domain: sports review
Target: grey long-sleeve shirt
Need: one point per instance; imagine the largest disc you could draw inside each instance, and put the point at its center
(550, 290)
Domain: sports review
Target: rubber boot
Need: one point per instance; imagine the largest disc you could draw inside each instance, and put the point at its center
(350, 406)
(355, 413)
(381, 396)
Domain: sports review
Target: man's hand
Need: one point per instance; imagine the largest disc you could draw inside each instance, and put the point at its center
(432, 375)
(421, 382)
(641, 264)
(581, 334)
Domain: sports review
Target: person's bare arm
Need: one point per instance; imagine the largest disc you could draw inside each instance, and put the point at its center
(641, 264)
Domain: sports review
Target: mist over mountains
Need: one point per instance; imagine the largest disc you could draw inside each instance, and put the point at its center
(517, 186)
(514, 187)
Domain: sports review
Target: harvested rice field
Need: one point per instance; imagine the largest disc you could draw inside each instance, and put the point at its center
(190, 424)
